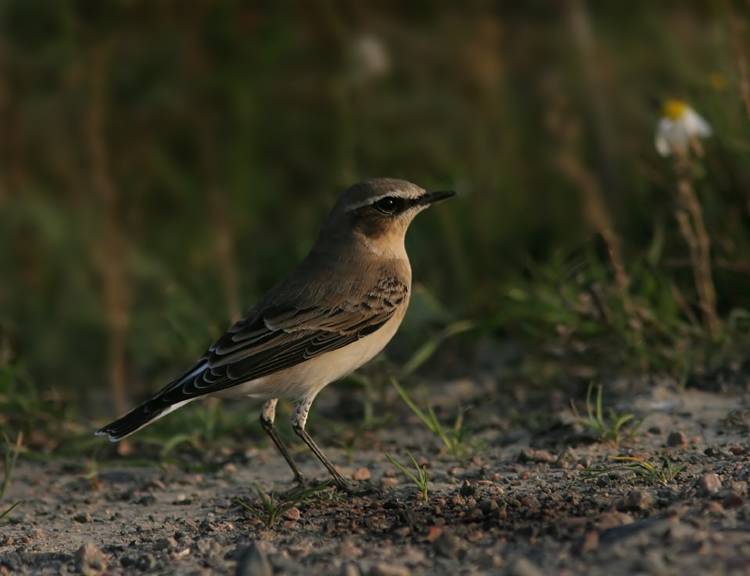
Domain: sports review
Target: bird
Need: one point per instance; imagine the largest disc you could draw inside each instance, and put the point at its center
(333, 313)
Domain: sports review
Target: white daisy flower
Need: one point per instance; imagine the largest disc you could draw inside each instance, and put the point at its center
(680, 128)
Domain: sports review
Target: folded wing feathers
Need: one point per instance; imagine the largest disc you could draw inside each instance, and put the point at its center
(277, 337)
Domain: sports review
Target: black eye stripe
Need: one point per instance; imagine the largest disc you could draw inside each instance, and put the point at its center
(390, 205)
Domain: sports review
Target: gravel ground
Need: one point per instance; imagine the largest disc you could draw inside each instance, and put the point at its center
(530, 500)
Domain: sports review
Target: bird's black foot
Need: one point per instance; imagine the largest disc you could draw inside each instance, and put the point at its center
(342, 484)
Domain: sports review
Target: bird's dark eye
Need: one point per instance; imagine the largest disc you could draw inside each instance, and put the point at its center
(389, 205)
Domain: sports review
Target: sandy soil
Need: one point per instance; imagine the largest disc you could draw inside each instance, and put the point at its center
(532, 499)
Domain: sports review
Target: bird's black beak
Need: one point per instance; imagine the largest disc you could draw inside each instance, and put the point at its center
(436, 196)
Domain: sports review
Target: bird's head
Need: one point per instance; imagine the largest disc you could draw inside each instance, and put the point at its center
(378, 211)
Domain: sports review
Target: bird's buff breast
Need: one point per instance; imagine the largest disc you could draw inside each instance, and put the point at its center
(308, 378)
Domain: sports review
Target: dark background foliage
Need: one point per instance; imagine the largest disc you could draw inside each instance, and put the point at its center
(163, 163)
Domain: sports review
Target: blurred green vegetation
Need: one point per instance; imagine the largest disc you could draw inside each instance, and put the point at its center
(163, 163)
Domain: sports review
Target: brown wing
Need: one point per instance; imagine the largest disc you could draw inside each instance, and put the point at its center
(277, 337)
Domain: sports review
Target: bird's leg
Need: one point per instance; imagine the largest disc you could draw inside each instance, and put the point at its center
(267, 417)
(299, 419)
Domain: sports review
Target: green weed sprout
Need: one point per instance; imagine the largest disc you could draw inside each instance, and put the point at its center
(271, 507)
(452, 438)
(418, 476)
(611, 427)
(663, 473)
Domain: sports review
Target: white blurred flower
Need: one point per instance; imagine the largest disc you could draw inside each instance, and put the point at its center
(369, 58)
(680, 128)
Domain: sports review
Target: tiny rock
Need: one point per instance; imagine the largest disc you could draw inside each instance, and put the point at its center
(488, 505)
(90, 560)
(433, 533)
(590, 541)
(732, 499)
(739, 487)
(350, 569)
(525, 567)
(165, 544)
(639, 500)
(710, 483)
(361, 474)
(448, 545)
(532, 455)
(177, 554)
(383, 569)
(253, 562)
(613, 519)
(145, 562)
(458, 500)
(677, 439)
(468, 489)
(348, 549)
(293, 514)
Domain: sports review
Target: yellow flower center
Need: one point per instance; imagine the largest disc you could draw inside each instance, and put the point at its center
(674, 109)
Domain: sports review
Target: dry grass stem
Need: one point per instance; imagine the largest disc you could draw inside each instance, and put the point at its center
(689, 215)
(108, 253)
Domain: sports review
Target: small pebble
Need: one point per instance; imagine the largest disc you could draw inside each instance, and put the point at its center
(177, 554)
(434, 532)
(348, 550)
(590, 541)
(448, 545)
(739, 487)
(361, 474)
(468, 489)
(639, 500)
(710, 483)
(732, 499)
(383, 569)
(677, 439)
(350, 569)
(293, 514)
(612, 520)
(165, 544)
(532, 455)
(253, 562)
(525, 567)
(90, 560)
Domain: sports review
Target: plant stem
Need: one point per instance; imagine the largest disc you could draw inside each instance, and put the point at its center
(689, 215)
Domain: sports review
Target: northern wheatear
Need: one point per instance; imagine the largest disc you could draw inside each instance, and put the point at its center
(332, 314)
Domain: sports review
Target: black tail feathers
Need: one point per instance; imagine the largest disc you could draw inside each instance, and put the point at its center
(131, 422)
(160, 405)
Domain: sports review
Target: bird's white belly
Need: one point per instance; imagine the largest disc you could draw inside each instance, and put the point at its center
(308, 378)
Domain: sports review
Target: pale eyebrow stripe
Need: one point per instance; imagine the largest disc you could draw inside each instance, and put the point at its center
(368, 202)
(374, 199)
